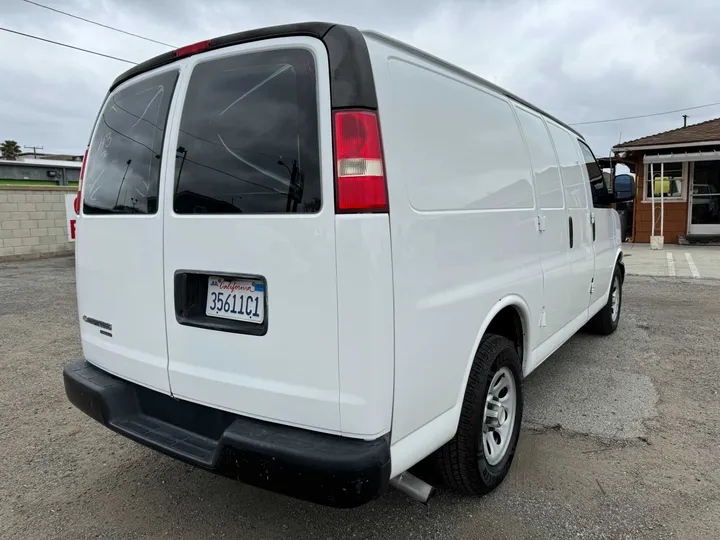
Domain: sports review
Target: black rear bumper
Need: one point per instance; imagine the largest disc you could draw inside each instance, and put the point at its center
(326, 469)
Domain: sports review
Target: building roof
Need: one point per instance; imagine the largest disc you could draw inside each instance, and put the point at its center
(47, 163)
(39, 155)
(702, 132)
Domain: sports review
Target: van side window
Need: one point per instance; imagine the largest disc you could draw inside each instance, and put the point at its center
(570, 168)
(598, 188)
(123, 170)
(248, 139)
(544, 162)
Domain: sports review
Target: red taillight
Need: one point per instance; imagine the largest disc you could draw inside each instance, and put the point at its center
(187, 50)
(76, 203)
(359, 168)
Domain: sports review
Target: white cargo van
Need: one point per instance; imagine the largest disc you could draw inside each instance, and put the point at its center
(309, 257)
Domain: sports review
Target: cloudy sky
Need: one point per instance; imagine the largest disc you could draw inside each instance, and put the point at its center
(581, 60)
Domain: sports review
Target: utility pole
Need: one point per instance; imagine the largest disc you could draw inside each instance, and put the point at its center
(34, 149)
(685, 117)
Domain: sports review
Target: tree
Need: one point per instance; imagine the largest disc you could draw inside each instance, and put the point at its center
(10, 150)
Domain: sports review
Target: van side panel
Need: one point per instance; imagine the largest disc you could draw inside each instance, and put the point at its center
(554, 238)
(578, 204)
(607, 248)
(365, 324)
(606, 244)
(463, 224)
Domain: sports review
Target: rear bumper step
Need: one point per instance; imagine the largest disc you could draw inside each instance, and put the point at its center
(325, 469)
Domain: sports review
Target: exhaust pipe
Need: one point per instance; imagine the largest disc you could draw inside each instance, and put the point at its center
(412, 486)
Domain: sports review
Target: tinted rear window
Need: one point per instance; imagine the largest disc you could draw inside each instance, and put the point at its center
(123, 171)
(248, 139)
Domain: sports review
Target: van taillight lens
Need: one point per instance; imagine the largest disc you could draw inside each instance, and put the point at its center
(76, 203)
(360, 176)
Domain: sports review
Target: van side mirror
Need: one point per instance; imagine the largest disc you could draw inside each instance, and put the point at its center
(624, 189)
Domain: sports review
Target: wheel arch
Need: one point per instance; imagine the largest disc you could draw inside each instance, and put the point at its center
(620, 263)
(421, 443)
(509, 317)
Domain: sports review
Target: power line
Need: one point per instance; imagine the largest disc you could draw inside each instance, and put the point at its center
(173, 46)
(68, 46)
(645, 115)
(100, 24)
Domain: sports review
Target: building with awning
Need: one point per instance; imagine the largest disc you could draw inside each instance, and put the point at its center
(678, 183)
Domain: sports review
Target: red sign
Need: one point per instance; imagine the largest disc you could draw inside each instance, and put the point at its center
(70, 215)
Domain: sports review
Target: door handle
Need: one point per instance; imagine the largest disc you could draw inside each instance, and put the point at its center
(570, 231)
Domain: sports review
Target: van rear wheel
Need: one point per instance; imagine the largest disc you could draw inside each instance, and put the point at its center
(478, 458)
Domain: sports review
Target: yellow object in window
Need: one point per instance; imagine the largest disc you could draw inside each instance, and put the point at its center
(662, 185)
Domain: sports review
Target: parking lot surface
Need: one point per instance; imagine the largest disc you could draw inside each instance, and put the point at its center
(621, 440)
(673, 261)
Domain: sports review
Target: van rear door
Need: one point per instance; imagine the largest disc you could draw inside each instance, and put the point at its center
(119, 256)
(249, 238)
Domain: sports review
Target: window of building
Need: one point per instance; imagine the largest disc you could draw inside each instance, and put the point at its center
(667, 179)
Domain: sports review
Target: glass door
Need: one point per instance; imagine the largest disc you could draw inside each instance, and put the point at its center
(705, 198)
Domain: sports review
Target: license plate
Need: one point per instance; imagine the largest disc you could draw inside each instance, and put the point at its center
(238, 299)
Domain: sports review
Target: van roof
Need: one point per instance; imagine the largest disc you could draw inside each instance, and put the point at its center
(351, 74)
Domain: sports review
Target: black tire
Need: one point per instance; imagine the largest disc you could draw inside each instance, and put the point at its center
(461, 463)
(604, 323)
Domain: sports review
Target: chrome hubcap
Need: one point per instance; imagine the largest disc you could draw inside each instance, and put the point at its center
(499, 418)
(615, 300)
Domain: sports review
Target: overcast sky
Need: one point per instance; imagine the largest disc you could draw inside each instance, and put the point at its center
(580, 60)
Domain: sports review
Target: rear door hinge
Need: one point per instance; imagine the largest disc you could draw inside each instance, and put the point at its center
(543, 321)
(541, 223)
(592, 285)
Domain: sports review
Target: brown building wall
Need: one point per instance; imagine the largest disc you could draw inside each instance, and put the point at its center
(676, 213)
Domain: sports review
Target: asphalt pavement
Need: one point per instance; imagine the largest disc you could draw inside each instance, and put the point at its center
(621, 440)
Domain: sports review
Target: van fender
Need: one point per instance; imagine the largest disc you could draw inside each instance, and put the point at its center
(417, 445)
(596, 306)
(618, 262)
(511, 300)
